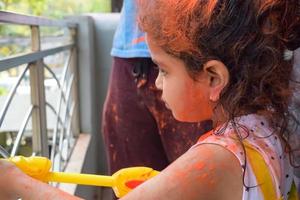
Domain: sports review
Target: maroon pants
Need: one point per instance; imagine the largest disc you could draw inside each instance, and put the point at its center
(137, 128)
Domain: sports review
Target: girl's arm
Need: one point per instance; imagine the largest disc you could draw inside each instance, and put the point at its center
(206, 172)
(15, 184)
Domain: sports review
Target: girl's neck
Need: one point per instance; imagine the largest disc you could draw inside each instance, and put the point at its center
(219, 117)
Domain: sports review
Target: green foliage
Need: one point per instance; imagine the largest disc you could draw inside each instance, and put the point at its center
(48, 8)
(34, 7)
(57, 8)
(102, 6)
(3, 91)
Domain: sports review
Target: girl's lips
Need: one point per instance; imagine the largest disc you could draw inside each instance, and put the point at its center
(167, 106)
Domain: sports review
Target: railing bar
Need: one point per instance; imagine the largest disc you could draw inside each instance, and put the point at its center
(54, 136)
(57, 81)
(60, 143)
(69, 90)
(63, 80)
(68, 93)
(65, 83)
(66, 67)
(54, 111)
(14, 61)
(55, 77)
(15, 18)
(68, 133)
(11, 95)
(26, 40)
(61, 136)
(3, 152)
(21, 131)
(71, 118)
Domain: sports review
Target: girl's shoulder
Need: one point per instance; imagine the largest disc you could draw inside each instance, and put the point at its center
(253, 133)
(252, 130)
(206, 172)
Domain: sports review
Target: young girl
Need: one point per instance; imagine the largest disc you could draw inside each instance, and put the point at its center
(223, 60)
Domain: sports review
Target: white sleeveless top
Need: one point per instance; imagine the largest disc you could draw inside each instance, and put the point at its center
(262, 137)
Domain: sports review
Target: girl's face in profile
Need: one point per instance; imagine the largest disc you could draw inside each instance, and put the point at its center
(186, 98)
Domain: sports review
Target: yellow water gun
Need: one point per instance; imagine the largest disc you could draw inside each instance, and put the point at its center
(122, 181)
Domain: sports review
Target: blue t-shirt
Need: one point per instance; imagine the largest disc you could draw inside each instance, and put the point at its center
(129, 41)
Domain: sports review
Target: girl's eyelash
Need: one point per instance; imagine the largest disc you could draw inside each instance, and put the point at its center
(162, 71)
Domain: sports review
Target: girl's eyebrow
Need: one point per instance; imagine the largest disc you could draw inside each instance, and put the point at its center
(158, 63)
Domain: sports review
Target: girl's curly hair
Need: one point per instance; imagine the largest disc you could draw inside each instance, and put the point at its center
(248, 36)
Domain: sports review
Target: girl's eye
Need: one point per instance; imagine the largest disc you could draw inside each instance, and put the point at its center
(162, 72)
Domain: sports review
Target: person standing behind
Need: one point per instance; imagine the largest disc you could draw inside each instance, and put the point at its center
(137, 127)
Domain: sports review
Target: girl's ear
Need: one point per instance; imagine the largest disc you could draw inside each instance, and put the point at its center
(218, 78)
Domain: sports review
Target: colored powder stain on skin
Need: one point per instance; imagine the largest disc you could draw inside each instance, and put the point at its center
(212, 168)
(199, 166)
(233, 147)
(204, 176)
(180, 175)
(133, 184)
(211, 184)
(206, 135)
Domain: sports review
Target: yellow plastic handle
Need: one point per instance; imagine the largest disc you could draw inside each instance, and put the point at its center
(82, 179)
(122, 181)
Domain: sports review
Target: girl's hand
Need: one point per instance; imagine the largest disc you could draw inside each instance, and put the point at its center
(9, 176)
(15, 184)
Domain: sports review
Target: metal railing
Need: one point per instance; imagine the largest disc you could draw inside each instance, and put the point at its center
(61, 141)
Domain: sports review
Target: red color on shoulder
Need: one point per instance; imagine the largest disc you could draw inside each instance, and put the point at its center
(204, 136)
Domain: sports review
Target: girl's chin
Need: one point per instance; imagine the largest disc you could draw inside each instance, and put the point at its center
(181, 118)
(189, 118)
